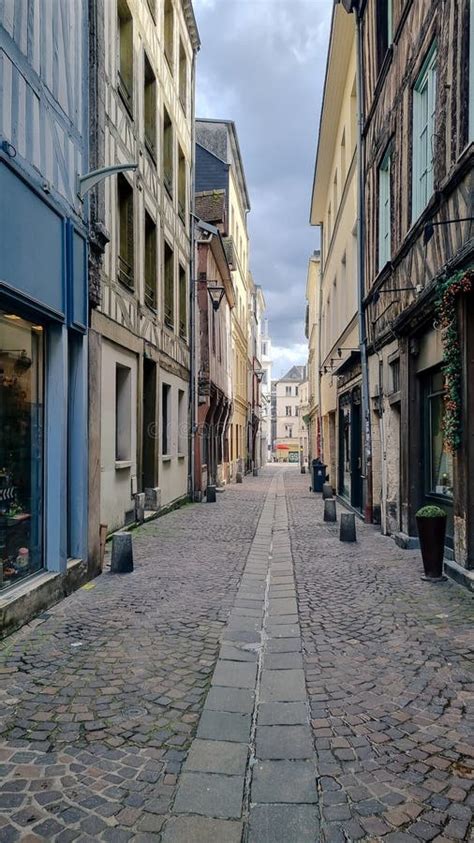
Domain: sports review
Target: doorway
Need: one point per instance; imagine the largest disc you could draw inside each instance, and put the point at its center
(149, 458)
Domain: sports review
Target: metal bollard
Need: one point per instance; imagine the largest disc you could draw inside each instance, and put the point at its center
(122, 554)
(211, 494)
(327, 491)
(255, 472)
(347, 530)
(330, 510)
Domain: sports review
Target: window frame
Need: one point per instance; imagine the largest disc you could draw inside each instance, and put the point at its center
(384, 251)
(423, 172)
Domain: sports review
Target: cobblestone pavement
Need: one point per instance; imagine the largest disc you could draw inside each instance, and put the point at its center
(388, 662)
(100, 698)
(115, 726)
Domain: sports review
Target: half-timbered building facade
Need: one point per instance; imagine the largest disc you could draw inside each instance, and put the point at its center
(139, 342)
(418, 176)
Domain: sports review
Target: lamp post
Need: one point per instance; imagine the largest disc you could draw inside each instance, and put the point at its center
(216, 294)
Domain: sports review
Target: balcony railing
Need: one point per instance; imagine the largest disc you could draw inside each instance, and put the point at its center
(125, 273)
(150, 295)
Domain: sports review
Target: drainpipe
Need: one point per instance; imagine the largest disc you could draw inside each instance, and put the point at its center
(320, 443)
(367, 446)
(192, 295)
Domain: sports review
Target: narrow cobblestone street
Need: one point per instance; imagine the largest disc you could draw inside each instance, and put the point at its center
(253, 680)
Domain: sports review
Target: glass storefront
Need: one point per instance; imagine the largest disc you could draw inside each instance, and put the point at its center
(438, 463)
(21, 448)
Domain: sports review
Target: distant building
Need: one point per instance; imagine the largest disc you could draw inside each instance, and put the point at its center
(266, 413)
(291, 431)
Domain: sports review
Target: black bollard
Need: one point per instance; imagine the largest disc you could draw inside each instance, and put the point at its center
(327, 491)
(238, 477)
(211, 494)
(122, 554)
(255, 472)
(330, 510)
(347, 530)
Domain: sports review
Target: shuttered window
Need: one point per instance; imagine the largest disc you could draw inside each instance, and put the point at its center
(384, 211)
(169, 286)
(424, 104)
(168, 153)
(150, 261)
(125, 232)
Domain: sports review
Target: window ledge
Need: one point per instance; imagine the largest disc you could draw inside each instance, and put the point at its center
(166, 458)
(120, 464)
(394, 398)
(181, 456)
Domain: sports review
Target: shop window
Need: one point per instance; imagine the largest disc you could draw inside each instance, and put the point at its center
(424, 104)
(126, 235)
(183, 76)
(169, 286)
(181, 185)
(183, 301)
(168, 153)
(21, 448)
(438, 462)
(149, 96)
(169, 33)
(150, 261)
(125, 54)
(123, 413)
(165, 419)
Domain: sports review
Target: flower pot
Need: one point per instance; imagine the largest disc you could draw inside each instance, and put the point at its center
(431, 532)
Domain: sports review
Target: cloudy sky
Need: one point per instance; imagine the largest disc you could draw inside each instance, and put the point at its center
(262, 64)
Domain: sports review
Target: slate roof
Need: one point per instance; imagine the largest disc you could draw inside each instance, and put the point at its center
(296, 373)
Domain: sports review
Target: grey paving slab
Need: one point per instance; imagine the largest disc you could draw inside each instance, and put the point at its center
(282, 714)
(248, 624)
(217, 757)
(224, 725)
(234, 674)
(282, 686)
(284, 645)
(209, 794)
(241, 636)
(284, 824)
(282, 630)
(282, 606)
(235, 653)
(283, 661)
(201, 830)
(280, 742)
(284, 781)
(242, 612)
(249, 604)
(238, 700)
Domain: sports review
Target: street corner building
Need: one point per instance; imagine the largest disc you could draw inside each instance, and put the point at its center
(142, 104)
(290, 440)
(43, 306)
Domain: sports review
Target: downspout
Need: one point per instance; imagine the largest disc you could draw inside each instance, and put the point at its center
(367, 448)
(320, 442)
(192, 294)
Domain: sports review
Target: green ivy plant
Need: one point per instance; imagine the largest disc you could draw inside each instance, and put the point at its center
(450, 288)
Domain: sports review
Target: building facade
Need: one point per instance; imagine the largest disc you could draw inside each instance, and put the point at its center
(219, 166)
(313, 335)
(291, 431)
(139, 333)
(334, 209)
(215, 300)
(266, 412)
(418, 176)
(43, 306)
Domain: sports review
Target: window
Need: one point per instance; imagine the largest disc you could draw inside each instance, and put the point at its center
(424, 103)
(264, 349)
(152, 8)
(126, 239)
(384, 28)
(125, 54)
(181, 185)
(288, 411)
(183, 77)
(123, 413)
(165, 419)
(169, 33)
(297, 411)
(287, 390)
(149, 96)
(182, 426)
(395, 375)
(343, 160)
(169, 286)
(150, 261)
(438, 462)
(471, 71)
(168, 153)
(329, 226)
(335, 195)
(289, 431)
(384, 211)
(296, 390)
(183, 298)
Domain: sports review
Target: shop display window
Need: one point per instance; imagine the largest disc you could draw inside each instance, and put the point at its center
(21, 448)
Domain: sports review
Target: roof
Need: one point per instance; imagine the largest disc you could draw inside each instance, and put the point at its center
(341, 41)
(191, 24)
(296, 373)
(207, 131)
(210, 205)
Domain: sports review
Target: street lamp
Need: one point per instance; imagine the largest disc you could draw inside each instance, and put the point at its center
(259, 373)
(216, 294)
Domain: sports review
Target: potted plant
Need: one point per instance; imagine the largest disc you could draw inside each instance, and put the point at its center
(431, 523)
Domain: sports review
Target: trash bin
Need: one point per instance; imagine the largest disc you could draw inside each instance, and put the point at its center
(319, 475)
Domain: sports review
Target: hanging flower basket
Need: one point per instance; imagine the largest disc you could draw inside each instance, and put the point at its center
(450, 288)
